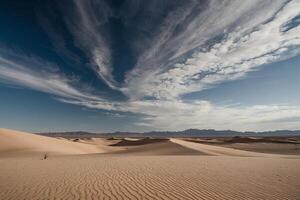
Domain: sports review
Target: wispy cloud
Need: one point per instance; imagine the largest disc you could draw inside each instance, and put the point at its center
(34, 73)
(178, 115)
(195, 47)
(37, 74)
(58, 40)
(182, 115)
(86, 20)
(216, 46)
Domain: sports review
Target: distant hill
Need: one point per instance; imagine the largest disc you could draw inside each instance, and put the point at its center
(185, 133)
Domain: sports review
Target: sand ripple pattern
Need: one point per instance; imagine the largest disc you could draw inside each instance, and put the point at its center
(149, 177)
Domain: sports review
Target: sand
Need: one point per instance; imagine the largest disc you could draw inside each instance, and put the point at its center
(270, 145)
(271, 148)
(169, 169)
(15, 143)
(225, 151)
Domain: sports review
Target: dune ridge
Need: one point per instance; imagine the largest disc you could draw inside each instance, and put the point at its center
(225, 151)
(17, 142)
(95, 168)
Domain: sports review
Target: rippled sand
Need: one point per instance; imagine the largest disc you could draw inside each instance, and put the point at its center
(176, 169)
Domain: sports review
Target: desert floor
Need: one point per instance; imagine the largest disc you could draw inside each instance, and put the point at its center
(38, 167)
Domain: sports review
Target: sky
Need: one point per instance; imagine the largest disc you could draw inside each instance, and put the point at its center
(135, 65)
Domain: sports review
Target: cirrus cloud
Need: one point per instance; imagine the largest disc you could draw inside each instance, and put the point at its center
(195, 46)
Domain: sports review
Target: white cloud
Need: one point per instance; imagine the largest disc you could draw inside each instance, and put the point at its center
(179, 115)
(172, 114)
(252, 36)
(85, 21)
(31, 72)
(223, 42)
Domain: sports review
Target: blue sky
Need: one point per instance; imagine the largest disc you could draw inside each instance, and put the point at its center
(124, 65)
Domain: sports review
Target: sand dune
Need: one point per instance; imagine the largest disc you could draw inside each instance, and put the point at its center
(164, 147)
(165, 169)
(214, 150)
(224, 151)
(271, 148)
(268, 145)
(20, 143)
(143, 141)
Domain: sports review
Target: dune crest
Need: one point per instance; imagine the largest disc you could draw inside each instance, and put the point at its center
(19, 143)
(130, 168)
(224, 151)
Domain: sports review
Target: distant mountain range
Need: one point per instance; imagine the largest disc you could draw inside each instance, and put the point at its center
(185, 133)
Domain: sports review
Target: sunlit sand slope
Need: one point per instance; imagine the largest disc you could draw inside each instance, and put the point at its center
(21, 143)
(140, 169)
(224, 151)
